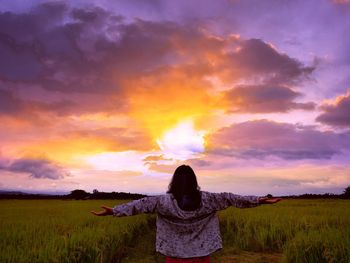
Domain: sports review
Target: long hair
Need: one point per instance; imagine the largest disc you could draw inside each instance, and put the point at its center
(185, 189)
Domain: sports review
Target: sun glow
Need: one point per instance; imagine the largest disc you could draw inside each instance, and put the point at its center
(160, 101)
(182, 141)
(117, 161)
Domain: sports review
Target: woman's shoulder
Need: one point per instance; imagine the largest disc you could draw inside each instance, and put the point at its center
(166, 197)
(206, 195)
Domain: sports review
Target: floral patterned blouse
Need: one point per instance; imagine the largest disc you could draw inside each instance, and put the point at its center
(186, 234)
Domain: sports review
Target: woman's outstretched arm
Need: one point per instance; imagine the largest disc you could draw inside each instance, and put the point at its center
(268, 201)
(223, 200)
(143, 205)
(107, 211)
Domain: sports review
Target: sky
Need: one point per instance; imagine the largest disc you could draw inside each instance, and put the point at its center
(114, 95)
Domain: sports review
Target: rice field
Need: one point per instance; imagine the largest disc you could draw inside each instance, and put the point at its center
(65, 231)
(303, 230)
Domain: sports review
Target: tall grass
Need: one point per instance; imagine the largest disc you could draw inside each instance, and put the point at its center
(322, 246)
(304, 230)
(63, 231)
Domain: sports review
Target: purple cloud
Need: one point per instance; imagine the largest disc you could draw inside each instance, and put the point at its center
(341, 1)
(337, 114)
(85, 51)
(9, 104)
(36, 168)
(254, 56)
(18, 62)
(264, 99)
(260, 139)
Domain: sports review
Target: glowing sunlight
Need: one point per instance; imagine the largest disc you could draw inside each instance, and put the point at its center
(182, 141)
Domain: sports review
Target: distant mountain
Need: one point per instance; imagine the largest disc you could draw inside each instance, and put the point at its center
(6, 194)
(12, 193)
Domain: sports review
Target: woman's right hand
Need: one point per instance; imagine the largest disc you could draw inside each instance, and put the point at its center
(106, 211)
(268, 201)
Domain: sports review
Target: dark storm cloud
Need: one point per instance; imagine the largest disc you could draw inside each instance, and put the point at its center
(264, 99)
(88, 50)
(84, 15)
(9, 104)
(97, 38)
(337, 114)
(36, 168)
(42, 49)
(18, 62)
(83, 51)
(260, 139)
(260, 58)
(48, 42)
(12, 104)
(25, 27)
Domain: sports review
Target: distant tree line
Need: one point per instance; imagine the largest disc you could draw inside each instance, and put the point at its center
(21, 195)
(316, 196)
(79, 194)
(82, 195)
(344, 195)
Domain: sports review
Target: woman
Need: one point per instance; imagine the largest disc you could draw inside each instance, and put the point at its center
(187, 225)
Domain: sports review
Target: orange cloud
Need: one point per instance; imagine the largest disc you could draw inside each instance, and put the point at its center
(71, 148)
(336, 112)
(162, 99)
(153, 74)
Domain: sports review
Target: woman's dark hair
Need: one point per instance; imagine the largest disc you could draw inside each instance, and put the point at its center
(185, 189)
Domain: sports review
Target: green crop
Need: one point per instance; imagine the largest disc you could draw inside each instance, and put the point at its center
(64, 231)
(304, 230)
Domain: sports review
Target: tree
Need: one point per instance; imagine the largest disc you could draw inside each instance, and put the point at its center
(346, 192)
(269, 196)
(78, 194)
(95, 191)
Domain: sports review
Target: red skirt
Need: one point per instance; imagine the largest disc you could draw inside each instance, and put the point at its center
(188, 260)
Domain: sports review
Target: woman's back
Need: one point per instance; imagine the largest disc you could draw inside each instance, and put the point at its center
(186, 234)
(183, 233)
(187, 225)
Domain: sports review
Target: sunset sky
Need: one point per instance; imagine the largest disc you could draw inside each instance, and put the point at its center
(114, 95)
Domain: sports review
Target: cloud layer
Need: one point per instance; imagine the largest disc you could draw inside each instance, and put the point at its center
(338, 113)
(86, 83)
(260, 139)
(86, 56)
(264, 99)
(36, 168)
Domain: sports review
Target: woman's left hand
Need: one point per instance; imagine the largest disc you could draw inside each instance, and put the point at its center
(106, 211)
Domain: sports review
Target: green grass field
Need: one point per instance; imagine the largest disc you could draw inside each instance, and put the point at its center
(65, 231)
(303, 230)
